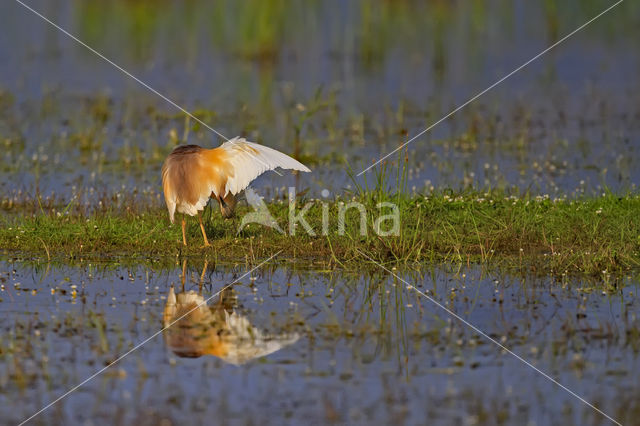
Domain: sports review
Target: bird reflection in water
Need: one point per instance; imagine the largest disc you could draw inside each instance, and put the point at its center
(216, 330)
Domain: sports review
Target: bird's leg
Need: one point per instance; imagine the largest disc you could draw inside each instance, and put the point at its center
(184, 238)
(204, 234)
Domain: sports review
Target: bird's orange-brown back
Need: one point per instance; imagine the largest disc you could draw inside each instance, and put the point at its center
(191, 173)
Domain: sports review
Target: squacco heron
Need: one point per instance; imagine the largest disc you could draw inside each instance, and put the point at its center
(192, 174)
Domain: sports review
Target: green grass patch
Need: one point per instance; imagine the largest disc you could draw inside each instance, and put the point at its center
(536, 234)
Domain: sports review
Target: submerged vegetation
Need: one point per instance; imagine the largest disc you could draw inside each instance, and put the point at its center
(598, 235)
(264, 29)
(352, 325)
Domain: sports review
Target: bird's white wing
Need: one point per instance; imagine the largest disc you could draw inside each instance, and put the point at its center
(249, 160)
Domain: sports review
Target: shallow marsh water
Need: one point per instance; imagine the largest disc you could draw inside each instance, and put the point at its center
(344, 347)
(335, 83)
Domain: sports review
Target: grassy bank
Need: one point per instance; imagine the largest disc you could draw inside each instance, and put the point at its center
(589, 235)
